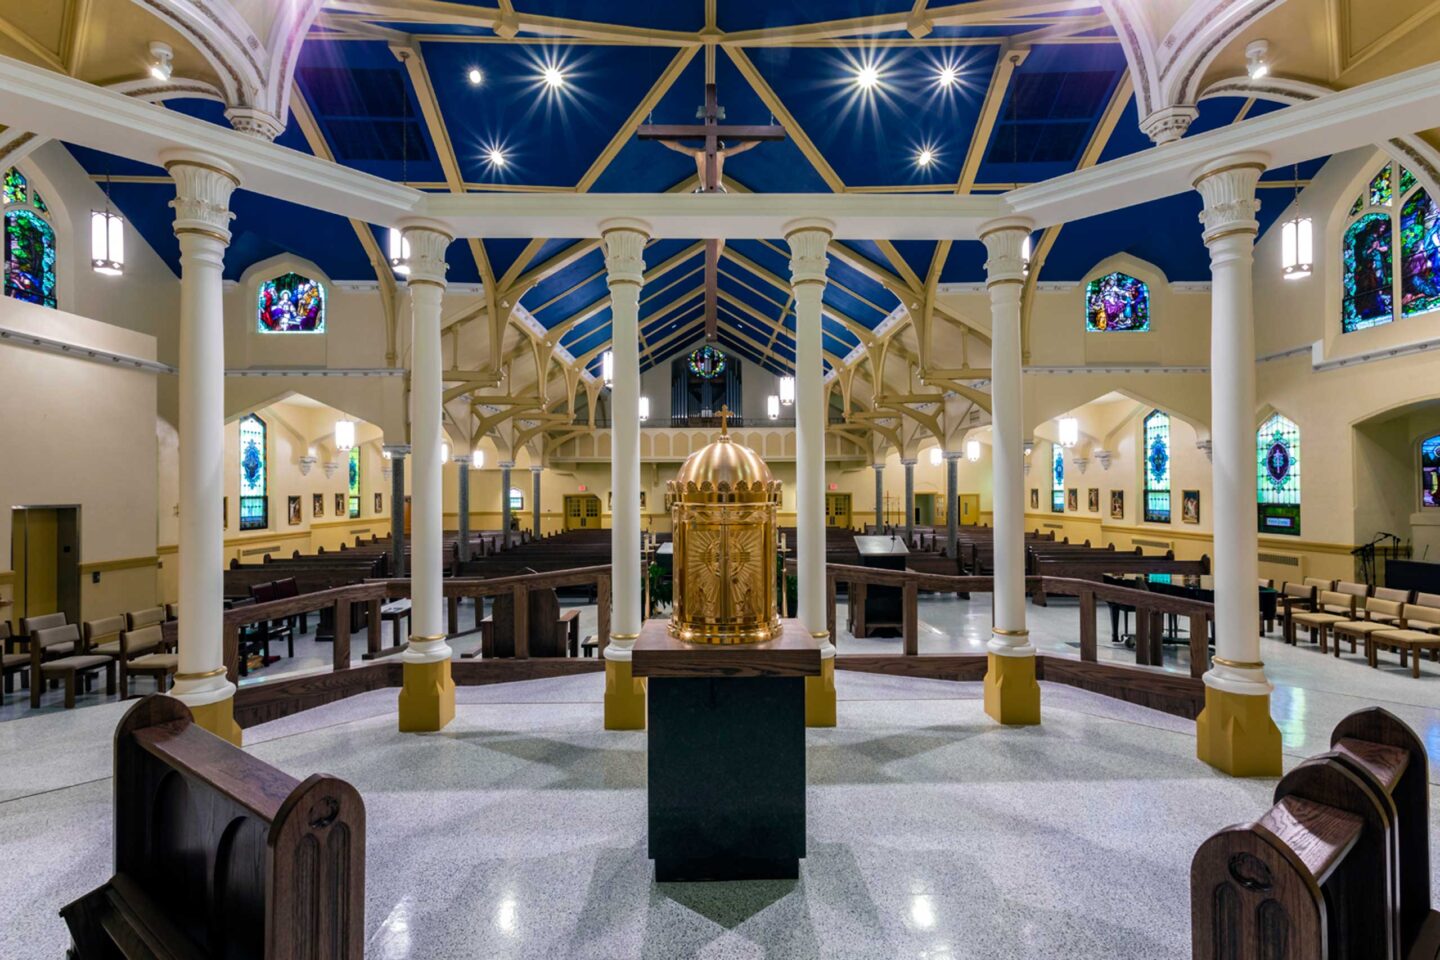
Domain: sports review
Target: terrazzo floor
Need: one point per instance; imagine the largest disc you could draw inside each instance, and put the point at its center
(519, 831)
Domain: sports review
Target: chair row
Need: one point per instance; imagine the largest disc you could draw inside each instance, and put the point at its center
(49, 652)
(1409, 629)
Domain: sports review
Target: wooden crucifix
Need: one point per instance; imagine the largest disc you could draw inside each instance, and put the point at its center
(718, 141)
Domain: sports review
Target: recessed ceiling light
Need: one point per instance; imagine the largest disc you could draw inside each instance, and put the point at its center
(925, 157)
(553, 78)
(948, 76)
(495, 157)
(475, 77)
(867, 77)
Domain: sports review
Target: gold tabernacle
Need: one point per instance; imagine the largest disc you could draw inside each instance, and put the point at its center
(724, 520)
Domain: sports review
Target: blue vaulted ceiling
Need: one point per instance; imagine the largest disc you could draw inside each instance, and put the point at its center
(369, 115)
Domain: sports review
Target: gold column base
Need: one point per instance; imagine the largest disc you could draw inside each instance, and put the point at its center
(427, 697)
(1235, 735)
(1012, 696)
(820, 696)
(624, 697)
(219, 719)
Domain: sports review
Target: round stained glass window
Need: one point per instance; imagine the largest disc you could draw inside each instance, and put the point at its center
(707, 363)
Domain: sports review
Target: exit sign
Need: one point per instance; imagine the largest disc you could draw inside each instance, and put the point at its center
(834, 486)
(583, 488)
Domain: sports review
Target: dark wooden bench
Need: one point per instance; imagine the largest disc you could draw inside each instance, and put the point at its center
(549, 633)
(219, 854)
(1338, 868)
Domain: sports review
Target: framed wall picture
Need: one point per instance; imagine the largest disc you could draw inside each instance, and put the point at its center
(1190, 506)
(1092, 499)
(1034, 498)
(339, 504)
(1117, 504)
(1072, 499)
(317, 505)
(379, 503)
(292, 510)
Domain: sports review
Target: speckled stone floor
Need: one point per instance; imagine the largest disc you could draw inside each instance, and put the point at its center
(519, 831)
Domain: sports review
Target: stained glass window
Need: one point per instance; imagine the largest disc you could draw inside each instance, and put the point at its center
(517, 499)
(1430, 472)
(1419, 255)
(291, 304)
(353, 482)
(1277, 476)
(1407, 181)
(1057, 481)
(254, 467)
(707, 363)
(1369, 288)
(29, 243)
(1380, 188)
(16, 189)
(1157, 468)
(1358, 205)
(1117, 302)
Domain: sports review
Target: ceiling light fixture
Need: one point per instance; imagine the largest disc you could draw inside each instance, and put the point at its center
(1297, 239)
(1257, 63)
(477, 459)
(552, 76)
(161, 61)
(495, 157)
(925, 157)
(972, 450)
(475, 76)
(867, 77)
(948, 76)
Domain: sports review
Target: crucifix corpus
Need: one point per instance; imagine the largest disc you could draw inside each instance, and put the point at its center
(717, 141)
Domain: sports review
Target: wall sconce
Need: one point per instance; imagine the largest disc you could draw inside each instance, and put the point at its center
(477, 459)
(972, 450)
(937, 456)
(305, 464)
(772, 407)
(1104, 457)
(330, 467)
(1029, 447)
(644, 408)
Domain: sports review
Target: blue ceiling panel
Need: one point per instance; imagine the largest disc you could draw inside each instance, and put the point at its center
(966, 263)
(831, 345)
(549, 136)
(147, 207)
(917, 254)
(735, 15)
(687, 15)
(873, 138)
(1050, 112)
(460, 265)
(549, 249)
(1127, 138)
(264, 227)
(582, 271)
(503, 252)
(99, 164)
(364, 105)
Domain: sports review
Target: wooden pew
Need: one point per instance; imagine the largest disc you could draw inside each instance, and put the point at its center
(219, 854)
(1337, 868)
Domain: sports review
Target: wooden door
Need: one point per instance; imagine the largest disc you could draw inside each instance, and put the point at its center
(969, 509)
(582, 511)
(837, 510)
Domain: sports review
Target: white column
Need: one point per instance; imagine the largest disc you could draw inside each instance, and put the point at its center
(879, 469)
(625, 265)
(535, 501)
(952, 505)
(426, 285)
(909, 466)
(1011, 694)
(202, 223)
(808, 240)
(1235, 731)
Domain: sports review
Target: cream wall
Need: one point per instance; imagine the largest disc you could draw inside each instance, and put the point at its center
(756, 384)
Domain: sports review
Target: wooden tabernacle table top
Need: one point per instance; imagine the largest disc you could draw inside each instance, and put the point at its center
(657, 654)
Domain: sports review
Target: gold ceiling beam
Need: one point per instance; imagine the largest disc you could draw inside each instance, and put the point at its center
(464, 14)
(37, 49)
(976, 13)
(389, 292)
(1062, 29)
(769, 322)
(1093, 150)
(679, 336)
(74, 33)
(861, 332)
(647, 103)
(560, 329)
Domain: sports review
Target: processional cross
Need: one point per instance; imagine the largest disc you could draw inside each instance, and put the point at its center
(710, 167)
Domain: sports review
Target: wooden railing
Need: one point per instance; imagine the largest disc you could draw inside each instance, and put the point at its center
(374, 593)
(1150, 608)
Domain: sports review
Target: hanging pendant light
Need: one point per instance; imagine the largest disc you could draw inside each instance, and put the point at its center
(607, 368)
(937, 456)
(972, 450)
(787, 391)
(772, 407)
(1069, 431)
(1297, 240)
(344, 435)
(399, 252)
(644, 408)
(398, 248)
(107, 238)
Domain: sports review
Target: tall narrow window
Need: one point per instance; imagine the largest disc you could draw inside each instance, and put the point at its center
(1157, 468)
(291, 304)
(517, 499)
(1430, 472)
(1117, 302)
(1057, 481)
(1277, 461)
(353, 482)
(29, 243)
(1382, 282)
(254, 480)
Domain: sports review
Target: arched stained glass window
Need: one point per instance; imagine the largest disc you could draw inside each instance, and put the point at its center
(1430, 471)
(517, 499)
(1157, 468)
(291, 304)
(1277, 461)
(254, 479)
(1379, 288)
(29, 243)
(1057, 480)
(353, 482)
(1117, 302)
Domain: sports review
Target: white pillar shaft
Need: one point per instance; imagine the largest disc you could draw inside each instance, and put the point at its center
(808, 242)
(1230, 230)
(626, 266)
(427, 586)
(202, 193)
(809, 459)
